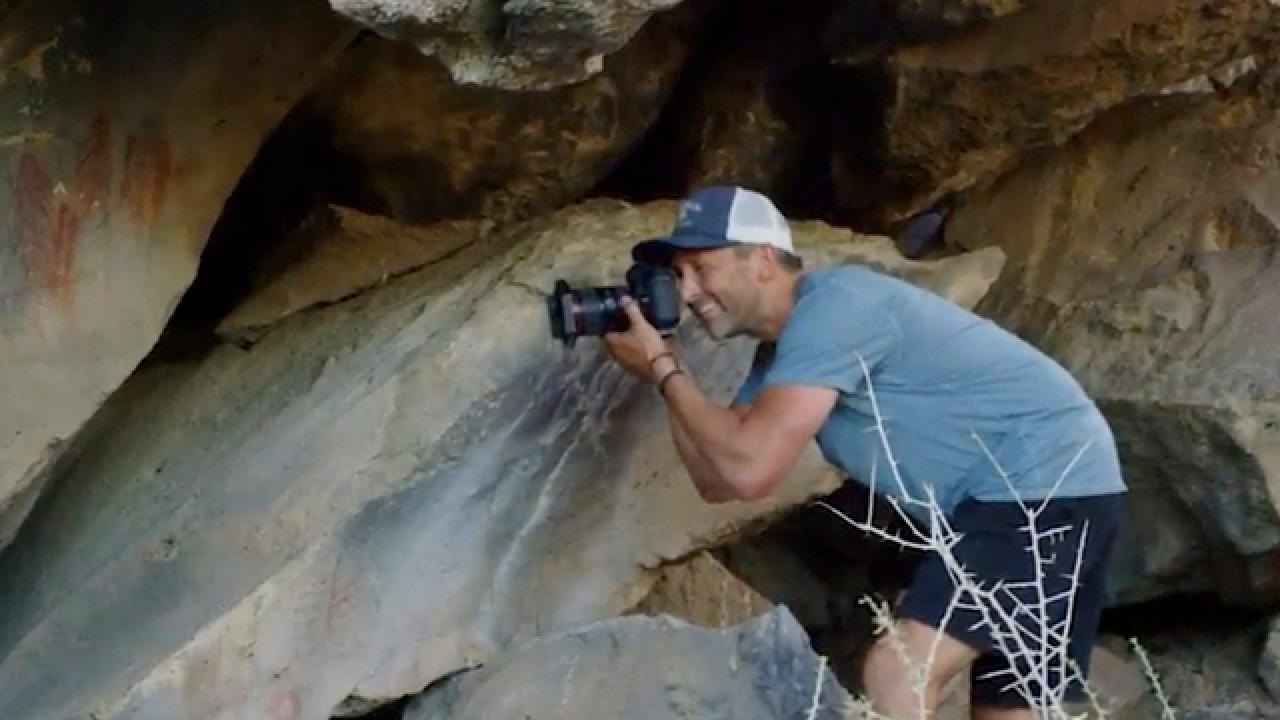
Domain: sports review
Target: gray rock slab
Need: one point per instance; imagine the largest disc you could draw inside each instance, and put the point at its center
(648, 669)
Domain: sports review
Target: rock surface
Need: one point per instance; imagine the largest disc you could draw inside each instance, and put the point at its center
(1269, 662)
(517, 44)
(865, 30)
(337, 253)
(702, 591)
(966, 108)
(747, 112)
(925, 18)
(379, 493)
(423, 148)
(648, 669)
(1207, 667)
(122, 131)
(1143, 255)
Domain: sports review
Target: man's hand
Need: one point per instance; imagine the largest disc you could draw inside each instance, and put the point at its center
(636, 348)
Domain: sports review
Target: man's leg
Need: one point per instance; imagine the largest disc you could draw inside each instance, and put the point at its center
(993, 550)
(1097, 519)
(888, 677)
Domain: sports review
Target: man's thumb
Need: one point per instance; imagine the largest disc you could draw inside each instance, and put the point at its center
(631, 308)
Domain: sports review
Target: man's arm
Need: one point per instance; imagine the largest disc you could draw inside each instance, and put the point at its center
(748, 451)
(708, 482)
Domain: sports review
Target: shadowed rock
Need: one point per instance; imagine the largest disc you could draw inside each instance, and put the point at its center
(965, 108)
(424, 148)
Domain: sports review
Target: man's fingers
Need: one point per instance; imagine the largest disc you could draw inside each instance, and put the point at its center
(632, 309)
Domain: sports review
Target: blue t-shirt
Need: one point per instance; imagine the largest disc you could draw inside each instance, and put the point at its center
(943, 378)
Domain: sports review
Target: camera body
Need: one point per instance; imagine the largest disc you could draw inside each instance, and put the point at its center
(594, 311)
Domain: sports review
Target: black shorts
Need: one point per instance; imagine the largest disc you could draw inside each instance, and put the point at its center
(995, 548)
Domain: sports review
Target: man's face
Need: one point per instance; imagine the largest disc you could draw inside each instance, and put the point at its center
(721, 289)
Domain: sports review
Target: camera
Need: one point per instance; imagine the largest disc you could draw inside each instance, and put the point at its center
(594, 311)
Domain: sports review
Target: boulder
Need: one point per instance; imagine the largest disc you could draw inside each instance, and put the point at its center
(648, 669)
(518, 44)
(124, 130)
(335, 254)
(378, 493)
(421, 147)
(967, 107)
(1143, 256)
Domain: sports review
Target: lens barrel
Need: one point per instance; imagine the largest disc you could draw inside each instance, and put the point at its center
(594, 311)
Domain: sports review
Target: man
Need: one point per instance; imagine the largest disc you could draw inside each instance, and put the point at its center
(968, 409)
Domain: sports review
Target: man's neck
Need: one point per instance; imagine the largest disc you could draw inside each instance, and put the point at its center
(779, 300)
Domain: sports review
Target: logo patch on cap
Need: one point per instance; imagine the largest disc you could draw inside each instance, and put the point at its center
(689, 211)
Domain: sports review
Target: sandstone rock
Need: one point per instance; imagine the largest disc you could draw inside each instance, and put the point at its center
(424, 148)
(965, 108)
(337, 253)
(648, 669)
(379, 493)
(123, 131)
(703, 592)
(1143, 256)
(518, 44)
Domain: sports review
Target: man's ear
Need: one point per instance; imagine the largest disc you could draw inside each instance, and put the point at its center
(767, 264)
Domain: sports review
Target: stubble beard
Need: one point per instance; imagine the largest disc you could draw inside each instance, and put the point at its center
(722, 326)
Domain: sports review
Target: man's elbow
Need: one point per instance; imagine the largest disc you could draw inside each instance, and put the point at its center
(740, 489)
(750, 487)
(715, 497)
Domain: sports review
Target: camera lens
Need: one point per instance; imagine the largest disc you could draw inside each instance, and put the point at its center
(597, 311)
(591, 311)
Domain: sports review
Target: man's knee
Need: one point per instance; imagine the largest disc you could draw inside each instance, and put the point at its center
(881, 666)
(900, 666)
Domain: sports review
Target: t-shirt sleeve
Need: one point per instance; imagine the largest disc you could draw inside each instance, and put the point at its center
(826, 334)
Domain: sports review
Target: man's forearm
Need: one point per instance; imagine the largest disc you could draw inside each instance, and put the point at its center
(713, 434)
(709, 484)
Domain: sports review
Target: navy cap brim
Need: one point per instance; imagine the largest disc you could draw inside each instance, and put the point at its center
(658, 251)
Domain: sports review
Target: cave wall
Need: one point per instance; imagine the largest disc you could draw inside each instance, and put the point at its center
(122, 131)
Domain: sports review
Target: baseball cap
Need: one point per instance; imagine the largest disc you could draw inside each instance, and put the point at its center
(715, 217)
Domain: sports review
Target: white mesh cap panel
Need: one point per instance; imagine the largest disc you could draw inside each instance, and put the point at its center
(754, 219)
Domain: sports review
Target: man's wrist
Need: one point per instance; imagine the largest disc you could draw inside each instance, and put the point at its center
(662, 366)
(662, 382)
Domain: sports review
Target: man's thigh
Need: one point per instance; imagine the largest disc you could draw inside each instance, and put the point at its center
(1028, 627)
